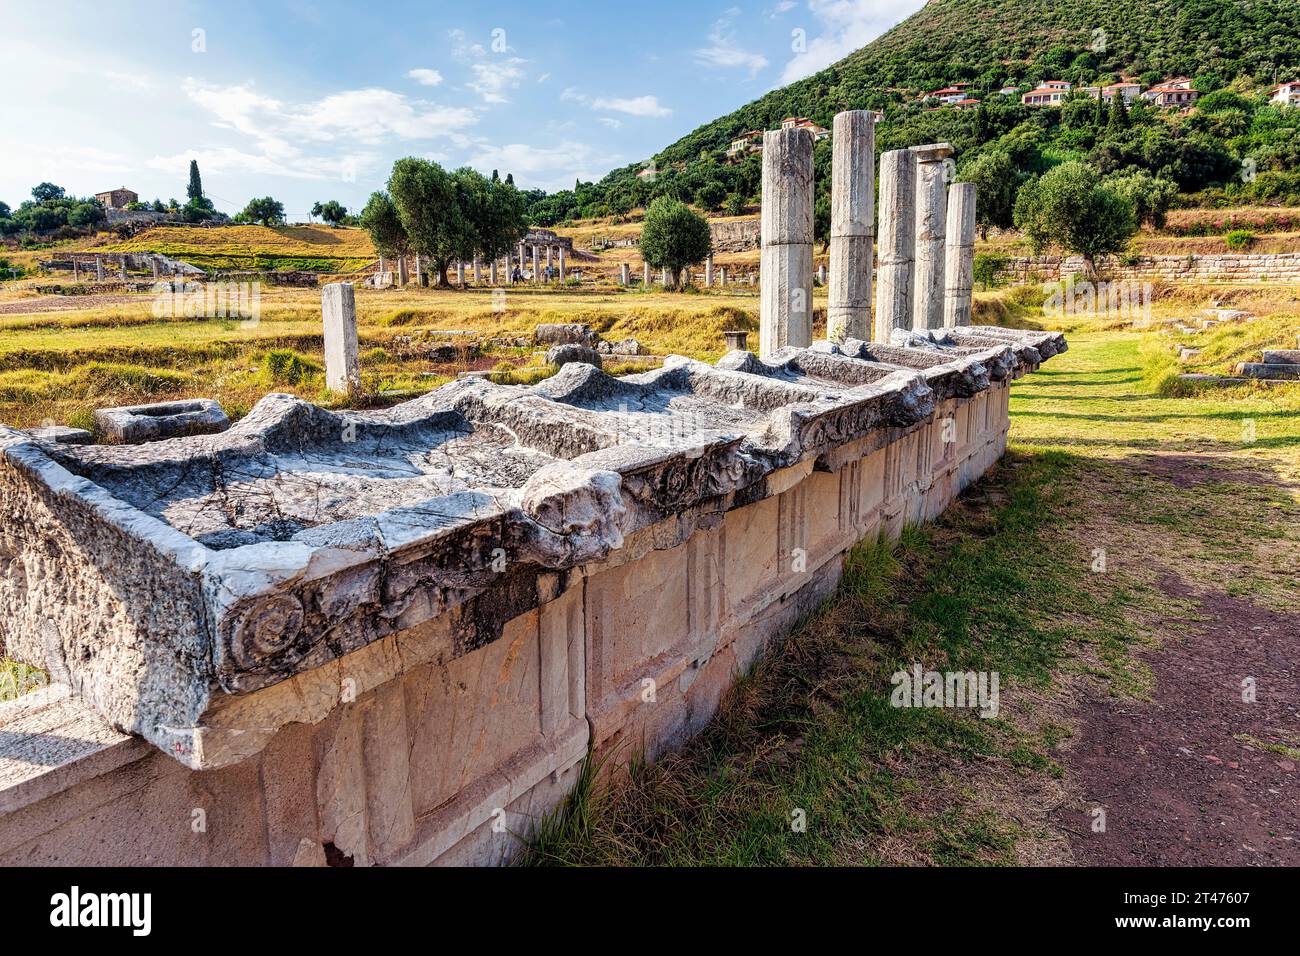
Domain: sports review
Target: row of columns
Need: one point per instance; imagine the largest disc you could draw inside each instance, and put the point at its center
(122, 263)
(512, 259)
(926, 233)
(713, 275)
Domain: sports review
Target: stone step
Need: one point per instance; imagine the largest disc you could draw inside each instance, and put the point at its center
(1281, 357)
(1262, 370)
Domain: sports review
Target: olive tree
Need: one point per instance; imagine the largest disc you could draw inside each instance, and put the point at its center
(674, 236)
(1071, 208)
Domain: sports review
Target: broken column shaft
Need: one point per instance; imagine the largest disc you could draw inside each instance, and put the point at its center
(959, 262)
(785, 300)
(897, 234)
(931, 225)
(339, 315)
(853, 212)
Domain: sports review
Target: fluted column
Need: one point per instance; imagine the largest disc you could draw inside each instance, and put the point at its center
(785, 299)
(853, 213)
(897, 232)
(931, 227)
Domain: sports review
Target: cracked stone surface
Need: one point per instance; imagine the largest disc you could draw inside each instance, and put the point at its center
(155, 578)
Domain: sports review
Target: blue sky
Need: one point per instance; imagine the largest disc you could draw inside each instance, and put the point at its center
(312, 101)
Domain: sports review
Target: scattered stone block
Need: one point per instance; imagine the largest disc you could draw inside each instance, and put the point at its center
(1278, 371)
(1281, 356)
(561, 355)
(134, 424)
(564, 333)
(62, 435)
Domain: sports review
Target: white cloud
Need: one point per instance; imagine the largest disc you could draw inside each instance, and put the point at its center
(610, 122)
(785, 6)
(549, 168)
(846, 25)
(493, 77)
(425, 76)
(543, 78)
(631, 105)
(367, 116)
(724, 51)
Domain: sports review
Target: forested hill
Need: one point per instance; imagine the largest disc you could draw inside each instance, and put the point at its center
(992, 43)
(1234, 47)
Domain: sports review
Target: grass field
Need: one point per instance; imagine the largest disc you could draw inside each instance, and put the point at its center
(1004, 581)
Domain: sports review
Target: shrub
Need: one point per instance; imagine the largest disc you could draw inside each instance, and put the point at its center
(287, 367)
(987, 267)
(1239, 239)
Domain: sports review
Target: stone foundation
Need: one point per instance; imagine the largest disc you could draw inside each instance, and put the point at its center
(445, 734)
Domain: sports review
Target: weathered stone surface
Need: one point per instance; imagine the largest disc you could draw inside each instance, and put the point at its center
(132, 424)
(159, 581)
(564, 333)
(61, 434)
(572, 352)
(342, 358)
(959, 282)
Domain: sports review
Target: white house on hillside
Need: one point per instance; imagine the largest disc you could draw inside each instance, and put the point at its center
(1288, 94)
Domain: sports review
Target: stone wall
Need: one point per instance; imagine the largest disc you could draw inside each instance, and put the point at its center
(437, 724)
(1225, 267)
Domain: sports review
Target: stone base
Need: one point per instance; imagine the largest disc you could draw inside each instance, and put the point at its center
(410, 751)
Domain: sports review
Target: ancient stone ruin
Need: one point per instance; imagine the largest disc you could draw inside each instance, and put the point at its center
(392, 637)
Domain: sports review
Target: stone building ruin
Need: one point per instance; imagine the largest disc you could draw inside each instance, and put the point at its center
(393, 637)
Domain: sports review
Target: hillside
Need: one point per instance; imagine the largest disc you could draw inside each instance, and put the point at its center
(1235, 47)
(992, 42)
(313, 248)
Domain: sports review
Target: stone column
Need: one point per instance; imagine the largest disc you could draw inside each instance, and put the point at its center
(931, 223)
(646, 280)
(897, 233)
(625, 274)
(419, 268)
(722, 275)
(664, 278)
(708, 272)
(123, 265)
(402, 275)
(492, 272)
(548, 258)
(460, 272)
(99, 269)
(561, 265)
(959, 264)
(478, 269)
(537, 260)
(342, 363)
(76, 271)
(785, 300)
(853, 214)
(382, 267)
(153, 261)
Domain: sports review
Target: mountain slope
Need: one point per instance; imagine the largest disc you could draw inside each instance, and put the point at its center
(992, 42)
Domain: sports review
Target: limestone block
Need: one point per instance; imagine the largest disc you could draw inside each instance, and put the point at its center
(134, 424)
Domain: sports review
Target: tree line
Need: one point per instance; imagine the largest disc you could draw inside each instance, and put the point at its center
(444, 217)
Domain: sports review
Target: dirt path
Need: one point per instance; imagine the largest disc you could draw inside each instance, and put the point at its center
(1205, 768)
(1188, 778)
